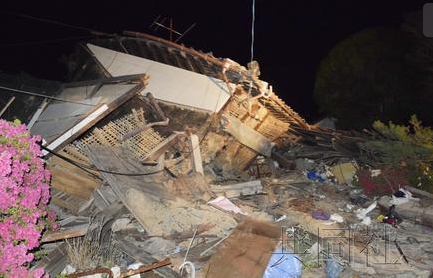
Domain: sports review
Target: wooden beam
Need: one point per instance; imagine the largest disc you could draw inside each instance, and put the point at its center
(35, 116)
(162, 147)
(65, 234)
(196, 162)
(247, 136)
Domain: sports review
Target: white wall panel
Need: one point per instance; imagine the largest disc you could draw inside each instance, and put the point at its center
(166, 82)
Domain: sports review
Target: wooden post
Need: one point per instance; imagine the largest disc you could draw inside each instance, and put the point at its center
(196, 162)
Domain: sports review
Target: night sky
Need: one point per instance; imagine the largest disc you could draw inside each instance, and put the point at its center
(291, 37)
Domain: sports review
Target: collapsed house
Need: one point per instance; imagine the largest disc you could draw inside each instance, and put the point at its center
(170, 148)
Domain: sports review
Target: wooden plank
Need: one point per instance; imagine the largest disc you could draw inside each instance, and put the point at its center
(55, 261)
(72, 232)
(247, 136)
(71, 179)
(73, 208)
(239, 189)
(246, 252)
(162, 147)
(119, 161)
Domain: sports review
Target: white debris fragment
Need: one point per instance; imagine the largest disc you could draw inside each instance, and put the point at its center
(69, 269)
(281, 218)
(225, 204)
(120, 224)
(375, 173)
(336, 218)
(402, 200)
(362, 213)
(135, 266)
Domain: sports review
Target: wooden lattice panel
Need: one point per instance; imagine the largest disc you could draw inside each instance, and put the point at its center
(110, 134)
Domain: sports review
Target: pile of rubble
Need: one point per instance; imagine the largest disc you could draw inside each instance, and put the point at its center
(173, 161)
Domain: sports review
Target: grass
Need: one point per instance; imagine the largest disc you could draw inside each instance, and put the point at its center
(88, 252)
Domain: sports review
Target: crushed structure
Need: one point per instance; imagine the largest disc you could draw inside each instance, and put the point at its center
(161, 151)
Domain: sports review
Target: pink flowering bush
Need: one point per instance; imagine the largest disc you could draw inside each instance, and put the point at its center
(24, 195)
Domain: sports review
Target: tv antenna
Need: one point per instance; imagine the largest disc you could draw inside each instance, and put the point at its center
(159, 23)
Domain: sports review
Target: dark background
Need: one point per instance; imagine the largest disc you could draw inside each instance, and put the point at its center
(291, 37)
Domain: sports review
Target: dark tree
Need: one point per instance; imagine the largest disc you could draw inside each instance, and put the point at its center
(372, 76)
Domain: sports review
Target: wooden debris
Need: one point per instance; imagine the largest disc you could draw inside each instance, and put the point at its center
(163, 146)
(138, 254)
(71, 179)
(196, 162)
(190, 187)
(140, 144)
(246, 252)
(55, 261)
(239, 189)
(65, 234)
(70, 227)
(136, 178)
(247, 136)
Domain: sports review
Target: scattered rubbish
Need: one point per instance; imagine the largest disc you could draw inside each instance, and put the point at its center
(349, 207)
(208, 177)
(375, 172)
(191, 268)
(134, 266)
(68, 270)
(320, 215)
(358, 199)
(402, 196)
(336, 218)
(321, 174)
(344, 172)
(411, 211)
(240, 189)
(392, 216)
(314, 176)
(333, 268)
(283, 265)
(362, 213)
(281, 218)
(303, 164)
(226, 205)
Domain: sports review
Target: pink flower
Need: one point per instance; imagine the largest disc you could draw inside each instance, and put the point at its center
(24, 195)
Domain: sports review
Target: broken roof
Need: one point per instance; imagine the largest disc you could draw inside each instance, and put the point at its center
(134, 53)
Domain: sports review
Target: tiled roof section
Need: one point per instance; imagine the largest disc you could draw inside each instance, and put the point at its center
(283, 112)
